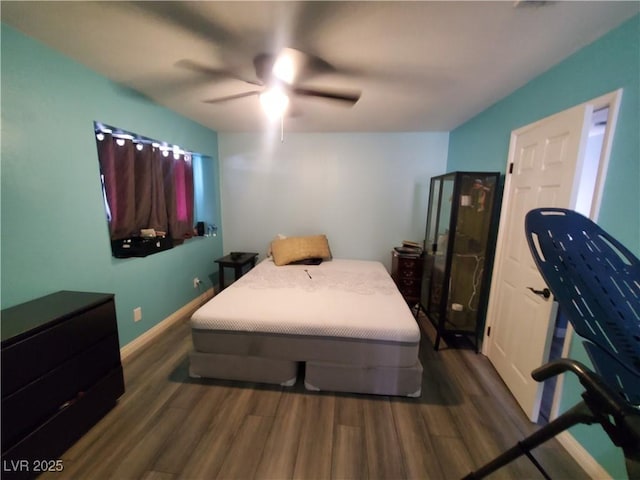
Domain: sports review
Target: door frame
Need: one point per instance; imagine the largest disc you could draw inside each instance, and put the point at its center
(611, 100)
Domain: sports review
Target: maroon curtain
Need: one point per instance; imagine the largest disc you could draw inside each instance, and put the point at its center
(183, 190)
(157, 212)
(117, 166)
(145, 188)
(178, 189)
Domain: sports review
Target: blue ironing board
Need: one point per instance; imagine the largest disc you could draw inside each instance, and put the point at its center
(596, 282)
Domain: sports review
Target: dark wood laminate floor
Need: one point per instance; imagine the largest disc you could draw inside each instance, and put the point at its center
(168, 426)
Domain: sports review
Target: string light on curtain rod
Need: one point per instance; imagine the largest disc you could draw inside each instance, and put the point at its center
(121, 136)
(177, 152)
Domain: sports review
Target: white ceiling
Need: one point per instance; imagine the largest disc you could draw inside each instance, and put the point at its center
(421, 66)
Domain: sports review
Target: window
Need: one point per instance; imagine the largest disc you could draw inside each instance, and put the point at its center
(147, 186)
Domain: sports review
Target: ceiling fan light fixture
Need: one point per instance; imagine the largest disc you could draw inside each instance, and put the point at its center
(284, 68)
(274, 102)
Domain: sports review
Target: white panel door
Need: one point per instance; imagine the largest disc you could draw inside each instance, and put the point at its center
(546, 161)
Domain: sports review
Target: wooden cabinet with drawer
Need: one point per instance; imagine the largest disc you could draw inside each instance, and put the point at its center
(406, 271)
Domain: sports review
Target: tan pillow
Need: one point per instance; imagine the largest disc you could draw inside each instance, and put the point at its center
(279, 236)
(293, 249)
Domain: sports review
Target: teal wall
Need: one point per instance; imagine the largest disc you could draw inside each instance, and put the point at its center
(54, 234)
(482, 143)
(54, 231)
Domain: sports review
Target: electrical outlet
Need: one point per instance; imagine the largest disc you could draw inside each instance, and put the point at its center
(196, 282)
(137, 314)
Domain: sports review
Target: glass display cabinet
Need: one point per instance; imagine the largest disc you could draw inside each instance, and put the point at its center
(458, 252)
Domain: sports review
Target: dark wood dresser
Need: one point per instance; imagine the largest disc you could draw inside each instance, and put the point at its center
(61, 373)
(406, 271)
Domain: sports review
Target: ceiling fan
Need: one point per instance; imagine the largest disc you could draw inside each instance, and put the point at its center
(280, 77)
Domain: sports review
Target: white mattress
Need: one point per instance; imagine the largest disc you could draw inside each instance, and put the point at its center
(338, 298)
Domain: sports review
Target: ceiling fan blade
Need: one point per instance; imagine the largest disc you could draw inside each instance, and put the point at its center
(213, 72)
(233, 97)
(187, 17)
(313, 20)
(342, 96)
(310, 61)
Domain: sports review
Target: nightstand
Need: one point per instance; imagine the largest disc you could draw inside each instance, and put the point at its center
(238, 261)
(406, 271)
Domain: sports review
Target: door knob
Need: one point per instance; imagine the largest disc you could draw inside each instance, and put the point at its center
(545, 292)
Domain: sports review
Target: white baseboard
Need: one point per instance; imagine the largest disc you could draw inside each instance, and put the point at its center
(582, 457)
(156, 330)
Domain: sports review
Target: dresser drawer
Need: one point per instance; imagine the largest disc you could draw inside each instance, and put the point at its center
(409, 287)
(415, 273)
(409, 264)
(37, 401)
(95, 362)
(33, 357)
(406, 272)
(407, 283)
(36, 355)
(94, 325)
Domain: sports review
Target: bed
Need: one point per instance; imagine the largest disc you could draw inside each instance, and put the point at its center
(342, 324)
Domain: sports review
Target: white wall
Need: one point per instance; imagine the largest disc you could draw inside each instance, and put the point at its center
(366, 191)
